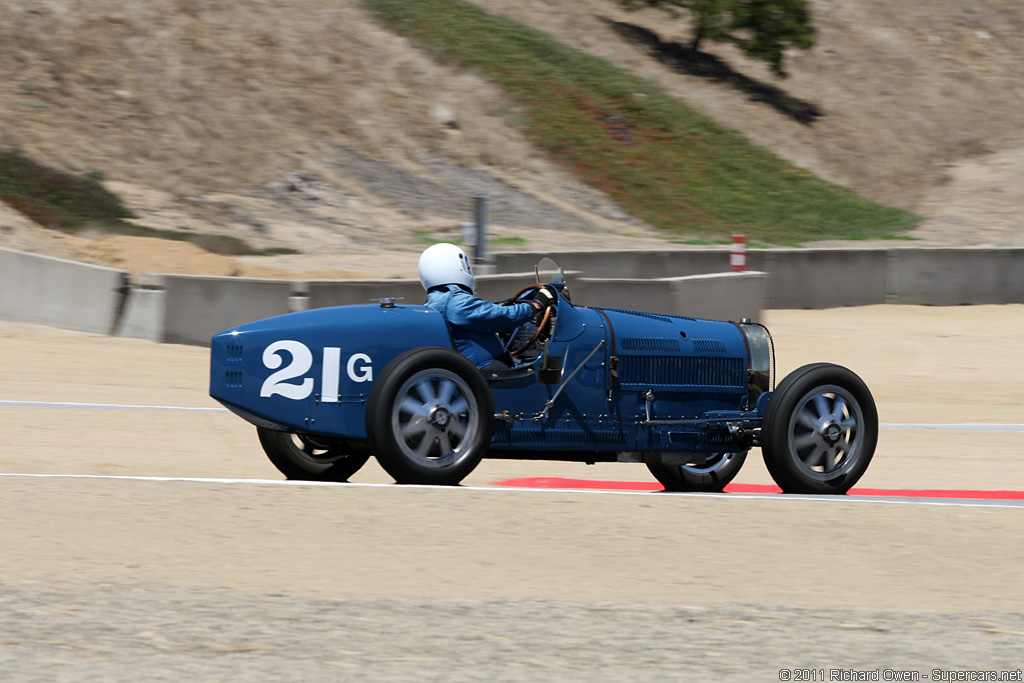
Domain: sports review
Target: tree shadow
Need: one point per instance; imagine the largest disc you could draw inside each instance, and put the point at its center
(682, 59)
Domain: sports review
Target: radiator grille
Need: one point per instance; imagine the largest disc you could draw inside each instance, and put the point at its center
(682, 371)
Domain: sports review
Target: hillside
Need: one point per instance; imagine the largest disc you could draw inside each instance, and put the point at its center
(920, 104)
(316, 129)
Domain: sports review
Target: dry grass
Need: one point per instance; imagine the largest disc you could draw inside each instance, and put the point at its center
(192, 96)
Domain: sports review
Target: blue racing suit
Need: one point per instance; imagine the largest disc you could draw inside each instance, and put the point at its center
(475, 322)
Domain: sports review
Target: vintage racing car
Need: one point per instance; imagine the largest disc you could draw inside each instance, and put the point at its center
(328, 388)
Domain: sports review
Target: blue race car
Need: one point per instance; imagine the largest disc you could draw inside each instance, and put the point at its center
(328, 388)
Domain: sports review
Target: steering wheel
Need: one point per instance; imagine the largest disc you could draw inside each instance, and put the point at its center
(545, 321)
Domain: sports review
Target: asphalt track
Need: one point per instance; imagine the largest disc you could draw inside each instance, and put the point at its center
(143, 530)
(541, 485)
(862, 495)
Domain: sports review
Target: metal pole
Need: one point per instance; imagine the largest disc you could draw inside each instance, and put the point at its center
(483, 264)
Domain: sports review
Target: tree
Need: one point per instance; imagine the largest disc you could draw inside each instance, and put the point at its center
(762, 29)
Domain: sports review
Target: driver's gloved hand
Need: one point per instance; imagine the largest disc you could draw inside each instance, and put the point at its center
(543, 300)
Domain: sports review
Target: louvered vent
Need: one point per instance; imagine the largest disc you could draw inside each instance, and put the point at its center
(233, 352)
(682, 371)
(233, 378)
(641, 314)
(708, 345)
(649, 344)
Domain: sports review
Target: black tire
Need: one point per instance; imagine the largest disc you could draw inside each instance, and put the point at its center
(820, 430)
(715, 475)
(430, 417)
(298, 456)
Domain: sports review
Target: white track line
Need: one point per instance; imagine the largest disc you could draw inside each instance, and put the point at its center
(651, 495)
(960, 427)
(102, 406)
(963, 426)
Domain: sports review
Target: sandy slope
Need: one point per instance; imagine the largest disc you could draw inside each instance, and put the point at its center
(320, 131)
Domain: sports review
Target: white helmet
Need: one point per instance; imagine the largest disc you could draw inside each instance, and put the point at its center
(445, 264)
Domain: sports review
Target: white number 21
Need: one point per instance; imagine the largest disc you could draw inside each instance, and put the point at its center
(359, 367)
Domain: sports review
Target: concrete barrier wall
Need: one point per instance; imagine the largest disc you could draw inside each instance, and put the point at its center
(950, 277)
(324, 293)
(144, 310)
(721, 296)
(196, 308)
(1014, 268)
(623, 264)
(60, 293)
(498, 287)
(825, 278)
(190, 309)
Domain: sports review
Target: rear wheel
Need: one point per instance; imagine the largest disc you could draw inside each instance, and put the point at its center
(430, 417)
(299, 456)
(820, 430)
(714, 475)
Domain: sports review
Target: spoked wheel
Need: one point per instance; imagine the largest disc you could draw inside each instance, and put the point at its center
(714, 475)
(820, 430)
(299, 456)
(430, 417)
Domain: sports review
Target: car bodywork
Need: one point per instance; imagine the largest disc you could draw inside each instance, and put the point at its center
(602, 385)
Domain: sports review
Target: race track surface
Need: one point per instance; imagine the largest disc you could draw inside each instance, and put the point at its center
(179, 551)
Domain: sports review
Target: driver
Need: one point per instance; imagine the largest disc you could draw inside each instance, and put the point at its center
(474, 323)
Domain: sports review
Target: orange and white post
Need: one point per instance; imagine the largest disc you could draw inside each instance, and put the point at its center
(738, 256)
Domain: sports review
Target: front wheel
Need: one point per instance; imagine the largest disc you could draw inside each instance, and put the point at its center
(430, 417)
(820, 430)
(299, 456)
(714, 475)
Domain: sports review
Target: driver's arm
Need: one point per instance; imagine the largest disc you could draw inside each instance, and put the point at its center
(466, 310)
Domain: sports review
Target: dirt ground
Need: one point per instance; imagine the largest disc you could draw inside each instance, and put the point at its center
(319, 131)
(220, 580)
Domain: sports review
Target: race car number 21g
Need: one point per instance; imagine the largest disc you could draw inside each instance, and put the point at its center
(359, 368)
